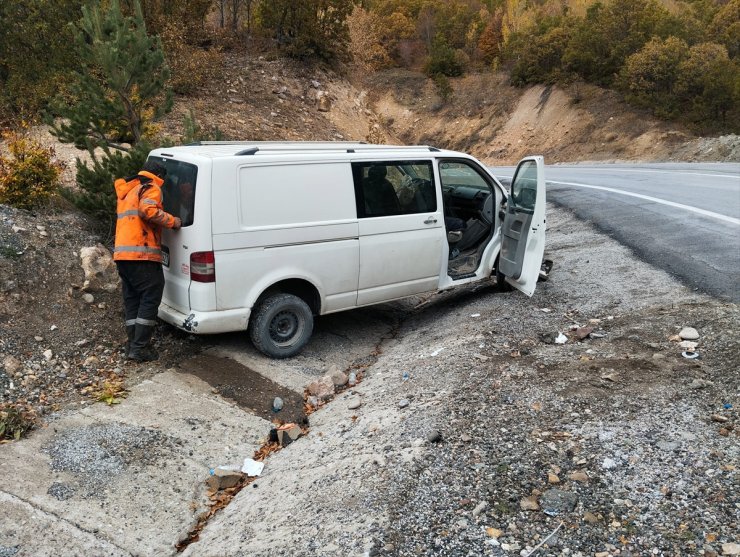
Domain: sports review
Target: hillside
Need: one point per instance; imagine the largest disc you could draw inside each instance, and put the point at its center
(273, 99)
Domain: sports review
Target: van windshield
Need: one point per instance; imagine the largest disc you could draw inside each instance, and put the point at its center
(178, 191)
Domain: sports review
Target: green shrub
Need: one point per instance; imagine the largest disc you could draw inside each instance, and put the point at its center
(443, 59)
(30, 175)
(95, 195)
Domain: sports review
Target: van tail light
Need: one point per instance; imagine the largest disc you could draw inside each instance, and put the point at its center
(203, 266)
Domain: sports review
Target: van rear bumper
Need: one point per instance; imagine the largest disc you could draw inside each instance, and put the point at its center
(206, 322)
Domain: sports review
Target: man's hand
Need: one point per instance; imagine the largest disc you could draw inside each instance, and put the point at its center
(178, 224)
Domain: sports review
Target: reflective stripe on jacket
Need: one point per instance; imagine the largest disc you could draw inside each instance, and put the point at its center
(140, 218)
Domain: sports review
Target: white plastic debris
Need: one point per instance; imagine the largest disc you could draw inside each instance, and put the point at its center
(436, 352)
(561, 338)
(545, 310)
(475, 315)
(53, 328)
(252, 467)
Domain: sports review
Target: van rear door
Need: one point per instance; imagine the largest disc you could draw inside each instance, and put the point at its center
(523, 233)
(185, 194)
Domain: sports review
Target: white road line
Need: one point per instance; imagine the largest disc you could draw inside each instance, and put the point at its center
(654, 200)
(677, 171)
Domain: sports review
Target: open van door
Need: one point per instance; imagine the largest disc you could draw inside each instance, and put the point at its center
(523, 232)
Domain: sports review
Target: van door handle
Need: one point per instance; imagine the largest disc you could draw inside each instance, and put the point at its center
(430, 220)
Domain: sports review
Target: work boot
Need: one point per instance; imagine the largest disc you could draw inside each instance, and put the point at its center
(140, 349)
(130, 331)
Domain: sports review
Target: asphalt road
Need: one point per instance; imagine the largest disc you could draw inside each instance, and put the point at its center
(681, 217)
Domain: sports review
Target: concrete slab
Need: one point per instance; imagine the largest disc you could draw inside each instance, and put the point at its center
(130, 475)
(26, 531)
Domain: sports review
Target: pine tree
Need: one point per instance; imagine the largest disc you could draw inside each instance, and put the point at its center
(119, 90)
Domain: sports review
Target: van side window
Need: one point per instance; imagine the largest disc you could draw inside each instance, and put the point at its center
(178, 191)
(394, 188)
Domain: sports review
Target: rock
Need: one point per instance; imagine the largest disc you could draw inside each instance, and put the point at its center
(315, 84)
(352, 379)
(434, 436)
(730, 548)
(553, 478)
(403, 403)
(465, 438)
(688, 344)
(354, 403)
(529, 504)
(285, 434)
(689, 333)
(223, 478)
(91, 361)
(479, 508)
(719, 418)
(48, 355)
(590, 518)
(494, 533)
(100, 269)
(583, 332)
(338, 377)
(88, 298)
(557, 501)
(609, 463)
(578, 476)
(322, 389)
(697, 384)
(667, 446)
(323, 102)
(602, 554)
(277, 404)
(11, 365)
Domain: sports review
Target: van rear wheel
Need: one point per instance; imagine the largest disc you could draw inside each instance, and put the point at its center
(281, 325)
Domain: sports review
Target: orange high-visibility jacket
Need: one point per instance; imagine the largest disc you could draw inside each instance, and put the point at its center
(140, 218)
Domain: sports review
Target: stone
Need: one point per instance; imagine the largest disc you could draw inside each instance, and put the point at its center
(730, 548)
(465, 438)
(338, 377)
(529, 503)
(689, 333)
(688, 344)
(223, 478)
(557, 501)
(719, 418)
(286, 434)
(277, 404)
(590, 517)
(354, 403)
(609, 463)
(479, 508)
(578, 476)
(667, 446)
(323, 102)
(494, 533)
(553, 478)
(11, 365)
(434, 436)
(99, 268)
(322, 389)
(88, 298)
(583, 332)
(48, 355)
(403, 403)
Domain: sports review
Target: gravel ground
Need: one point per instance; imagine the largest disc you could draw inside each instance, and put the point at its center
(475, 436)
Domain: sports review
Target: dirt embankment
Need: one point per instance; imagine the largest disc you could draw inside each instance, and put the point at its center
(501, 124)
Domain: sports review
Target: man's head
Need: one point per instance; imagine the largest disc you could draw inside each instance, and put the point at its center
(155, 168)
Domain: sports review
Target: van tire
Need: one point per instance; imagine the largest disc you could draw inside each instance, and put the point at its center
(281, 325)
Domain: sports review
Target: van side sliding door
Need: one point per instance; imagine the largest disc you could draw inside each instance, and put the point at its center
(401, 229)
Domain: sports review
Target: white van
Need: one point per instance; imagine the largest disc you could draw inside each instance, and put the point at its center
(275, 233)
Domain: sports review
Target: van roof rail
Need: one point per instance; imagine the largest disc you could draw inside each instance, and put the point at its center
(347, 146)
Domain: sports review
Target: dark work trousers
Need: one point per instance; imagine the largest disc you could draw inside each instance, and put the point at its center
(143, 284)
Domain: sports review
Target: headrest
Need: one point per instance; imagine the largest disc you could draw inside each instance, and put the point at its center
(377, 172)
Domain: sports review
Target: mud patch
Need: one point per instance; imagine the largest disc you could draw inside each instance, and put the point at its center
(247, 388)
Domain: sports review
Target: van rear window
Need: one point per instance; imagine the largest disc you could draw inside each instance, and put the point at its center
(178, 191)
